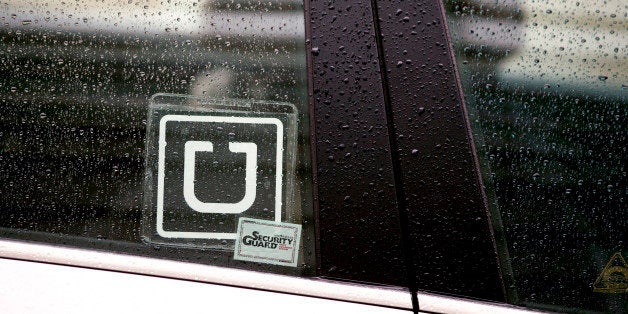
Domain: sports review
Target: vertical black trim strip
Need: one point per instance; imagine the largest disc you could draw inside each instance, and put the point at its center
(359, 232)
(450, 234)
(508, 295)
(310, 98)
(401, 198)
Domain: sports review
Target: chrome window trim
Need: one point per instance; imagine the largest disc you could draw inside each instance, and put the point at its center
(387, 296)
(434, 303)
(394, 297)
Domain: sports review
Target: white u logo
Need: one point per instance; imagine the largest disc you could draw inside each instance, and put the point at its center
(250, 149)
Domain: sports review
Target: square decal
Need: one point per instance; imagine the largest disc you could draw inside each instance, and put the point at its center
(207, 168)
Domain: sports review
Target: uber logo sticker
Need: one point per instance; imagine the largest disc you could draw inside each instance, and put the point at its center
(250, 179)
(232, 135)
(206, 169)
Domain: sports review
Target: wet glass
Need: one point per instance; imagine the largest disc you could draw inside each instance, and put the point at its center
(75, 89)
(546, 89)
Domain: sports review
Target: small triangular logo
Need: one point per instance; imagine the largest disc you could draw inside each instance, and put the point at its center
(614, 276)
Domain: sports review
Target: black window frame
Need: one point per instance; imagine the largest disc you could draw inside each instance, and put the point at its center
(422, 163)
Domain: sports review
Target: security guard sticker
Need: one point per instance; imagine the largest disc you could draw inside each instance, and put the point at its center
(265, 241)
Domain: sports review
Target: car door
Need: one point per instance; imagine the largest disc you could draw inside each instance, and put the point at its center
(365, 125)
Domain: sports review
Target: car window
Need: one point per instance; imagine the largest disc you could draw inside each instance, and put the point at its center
(545, 87)
(85, 87)
(112, 114)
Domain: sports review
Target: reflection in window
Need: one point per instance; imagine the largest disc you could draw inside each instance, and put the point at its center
(77, 77)
(546, 88)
